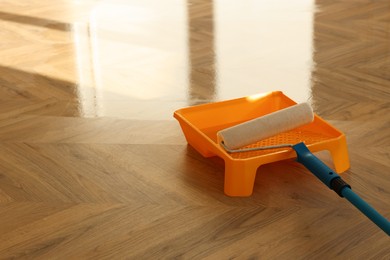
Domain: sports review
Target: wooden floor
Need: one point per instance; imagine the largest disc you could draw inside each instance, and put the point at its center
(93, 165)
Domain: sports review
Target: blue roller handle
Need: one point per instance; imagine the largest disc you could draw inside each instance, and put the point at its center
(334, 182)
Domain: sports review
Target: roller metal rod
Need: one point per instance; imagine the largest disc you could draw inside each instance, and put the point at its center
(252, 149)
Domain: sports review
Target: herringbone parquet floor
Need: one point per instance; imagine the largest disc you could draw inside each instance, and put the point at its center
(92, 164)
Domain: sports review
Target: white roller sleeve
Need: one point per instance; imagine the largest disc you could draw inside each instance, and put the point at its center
(266, 126)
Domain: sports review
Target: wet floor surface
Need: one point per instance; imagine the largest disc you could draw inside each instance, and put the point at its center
(143, 60)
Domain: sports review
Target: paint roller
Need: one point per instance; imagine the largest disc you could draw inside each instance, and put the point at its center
(238, 136)
(266, 126)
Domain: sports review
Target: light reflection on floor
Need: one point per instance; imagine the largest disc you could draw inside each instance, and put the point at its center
(135, 56)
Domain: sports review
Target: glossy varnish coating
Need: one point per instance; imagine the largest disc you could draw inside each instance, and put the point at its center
(92, 164)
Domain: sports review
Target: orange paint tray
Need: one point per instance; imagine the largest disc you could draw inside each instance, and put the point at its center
(201, 123)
